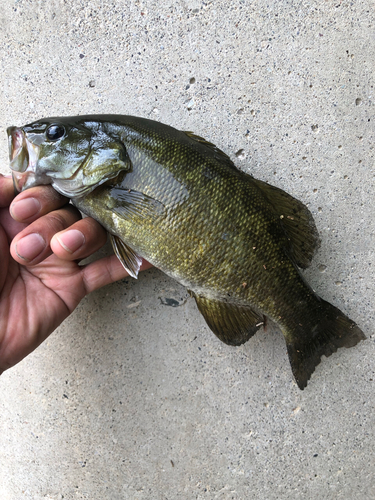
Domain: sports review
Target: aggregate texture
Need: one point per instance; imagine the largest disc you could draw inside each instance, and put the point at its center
(130, 398)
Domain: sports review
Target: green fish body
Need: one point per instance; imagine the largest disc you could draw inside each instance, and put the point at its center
(176, 200)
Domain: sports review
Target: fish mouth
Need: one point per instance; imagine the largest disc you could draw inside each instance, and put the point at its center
(23, 157)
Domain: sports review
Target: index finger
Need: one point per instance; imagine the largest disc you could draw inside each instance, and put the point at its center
(6, 191)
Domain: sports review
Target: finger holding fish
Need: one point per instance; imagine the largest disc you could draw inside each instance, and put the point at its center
(29, 205)
(79, 241)
(6, 190)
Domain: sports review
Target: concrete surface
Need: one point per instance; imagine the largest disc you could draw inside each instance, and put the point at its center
(132, 399)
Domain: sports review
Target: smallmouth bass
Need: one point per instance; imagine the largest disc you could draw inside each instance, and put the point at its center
(176, 200)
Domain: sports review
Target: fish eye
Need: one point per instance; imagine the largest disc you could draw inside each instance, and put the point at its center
(55, 132)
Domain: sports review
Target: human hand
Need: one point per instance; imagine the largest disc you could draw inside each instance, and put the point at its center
(41, 282)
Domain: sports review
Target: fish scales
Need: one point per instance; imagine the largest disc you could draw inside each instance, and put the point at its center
(182, 231)
(176, 200)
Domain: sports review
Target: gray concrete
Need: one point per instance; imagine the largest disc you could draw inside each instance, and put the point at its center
(132, 399)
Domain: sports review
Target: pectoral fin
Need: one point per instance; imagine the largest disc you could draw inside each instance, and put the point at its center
(128, 258)
(131, 204)
(233, 324)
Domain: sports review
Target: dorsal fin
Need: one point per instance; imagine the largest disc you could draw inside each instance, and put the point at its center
(233, 324)
(297, 222)
(218, 153)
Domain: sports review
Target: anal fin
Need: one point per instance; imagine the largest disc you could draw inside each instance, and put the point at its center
(233, 324)
(126, 255)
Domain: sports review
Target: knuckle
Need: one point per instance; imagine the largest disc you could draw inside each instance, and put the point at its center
(52, 197)
(48, 197)
(61, 219)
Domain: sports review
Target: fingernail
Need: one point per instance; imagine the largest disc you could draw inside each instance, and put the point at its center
(29, 247)
(71, 240)
(24, 209)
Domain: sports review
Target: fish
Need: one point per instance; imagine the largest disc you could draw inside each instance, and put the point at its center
(237, 244)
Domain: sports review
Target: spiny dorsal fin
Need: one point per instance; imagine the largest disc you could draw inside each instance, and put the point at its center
(126, 255)
(218, 153)
(297, 222)
(233, 324)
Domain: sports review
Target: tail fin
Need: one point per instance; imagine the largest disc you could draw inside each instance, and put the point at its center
(332, 331)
